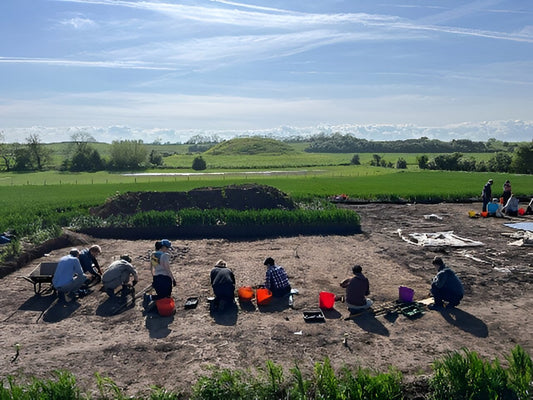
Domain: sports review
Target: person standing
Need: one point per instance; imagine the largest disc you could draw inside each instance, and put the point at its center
(506, 192)
(445, 286)
(68, 276)
(486, 194)
(223, 283)
(119, 273)
(162, 278)
(357, 288)
(89, 262)
(276, 279)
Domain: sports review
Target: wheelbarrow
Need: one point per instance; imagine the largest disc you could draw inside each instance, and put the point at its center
(43, 273)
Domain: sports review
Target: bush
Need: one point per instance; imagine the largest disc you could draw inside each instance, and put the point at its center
(199, 164)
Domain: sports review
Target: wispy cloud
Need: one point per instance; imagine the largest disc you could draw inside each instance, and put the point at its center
(78, 23)
(79, 63)
(284, 19)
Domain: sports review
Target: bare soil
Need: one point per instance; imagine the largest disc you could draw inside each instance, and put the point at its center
(138, 349)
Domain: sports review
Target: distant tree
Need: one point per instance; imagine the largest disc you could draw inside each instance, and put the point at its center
(447, 162)
(88, 160)
(7, 152)
(22, 159)
(376, 160)
(203, 139)
(355, 160)
(156, 158)
(85, 157)
(522, 162)
(401, 163)
(199, 164)
(500, 162)
(481, 166)
(38, 153)
(127, 154)
(467, 164)
(97, 163)
(422, 161)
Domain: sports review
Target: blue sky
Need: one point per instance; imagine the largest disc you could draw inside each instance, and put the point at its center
(122, 69)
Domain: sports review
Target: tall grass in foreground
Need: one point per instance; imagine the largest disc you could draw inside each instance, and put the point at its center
(466, 376)
(460, 375)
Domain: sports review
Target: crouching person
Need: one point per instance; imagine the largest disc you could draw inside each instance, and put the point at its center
(446, 286)
(69, 277)
(223, 284)
(118, 274)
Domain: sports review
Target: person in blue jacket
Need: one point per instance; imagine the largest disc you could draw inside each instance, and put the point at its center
(446, 286)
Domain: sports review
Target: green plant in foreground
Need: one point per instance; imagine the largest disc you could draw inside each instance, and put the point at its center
(466, 376)
(108, 389)
(520, 372)
(64, 387)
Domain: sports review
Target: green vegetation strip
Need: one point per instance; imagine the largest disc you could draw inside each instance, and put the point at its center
(459, 375)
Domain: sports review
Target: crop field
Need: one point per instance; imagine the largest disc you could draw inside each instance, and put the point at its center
(38, 198)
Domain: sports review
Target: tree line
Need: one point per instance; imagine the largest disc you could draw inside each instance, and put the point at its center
(339, 143)
(33, 155)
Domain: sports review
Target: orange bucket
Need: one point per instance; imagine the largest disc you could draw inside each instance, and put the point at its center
(166, 306)
(245, 293)
(484, 213)
(326, 300)
(263, 296)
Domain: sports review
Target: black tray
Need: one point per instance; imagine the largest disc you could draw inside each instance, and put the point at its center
(314, 316)
(191, 302)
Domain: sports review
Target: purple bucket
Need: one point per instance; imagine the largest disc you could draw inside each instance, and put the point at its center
(406, 294)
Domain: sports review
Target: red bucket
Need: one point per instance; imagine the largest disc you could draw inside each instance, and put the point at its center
(246, 293)
(263, 296)
(166, 306)
(326, 300)
(406, 294)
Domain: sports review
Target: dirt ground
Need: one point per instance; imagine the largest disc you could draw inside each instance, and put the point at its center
(138, 349)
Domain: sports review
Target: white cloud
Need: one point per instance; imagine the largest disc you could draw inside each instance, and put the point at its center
(482, 131)
(78, 23)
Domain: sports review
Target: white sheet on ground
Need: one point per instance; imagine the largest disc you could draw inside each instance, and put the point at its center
(526, 226)
(438, 239)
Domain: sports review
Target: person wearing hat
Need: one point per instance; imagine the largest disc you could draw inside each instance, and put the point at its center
(223, 284)
(446, 286)
(68, 276)
(119, 273)
(162, 278)
(357, 288)
(276, 279)
(486, 194)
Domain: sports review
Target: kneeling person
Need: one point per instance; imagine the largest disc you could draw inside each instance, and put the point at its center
(223, 283)
(276, 279)
(69, 277)
(446, 286)
(119, 273)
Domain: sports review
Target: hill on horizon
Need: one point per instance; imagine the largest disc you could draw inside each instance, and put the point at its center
(250, 146)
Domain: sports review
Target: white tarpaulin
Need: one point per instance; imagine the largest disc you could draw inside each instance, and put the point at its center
(438, 239)
(526, 226)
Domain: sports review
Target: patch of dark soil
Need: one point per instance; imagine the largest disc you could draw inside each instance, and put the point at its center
(239, 197)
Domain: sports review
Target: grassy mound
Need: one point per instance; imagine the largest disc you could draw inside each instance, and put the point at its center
(250, 146)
